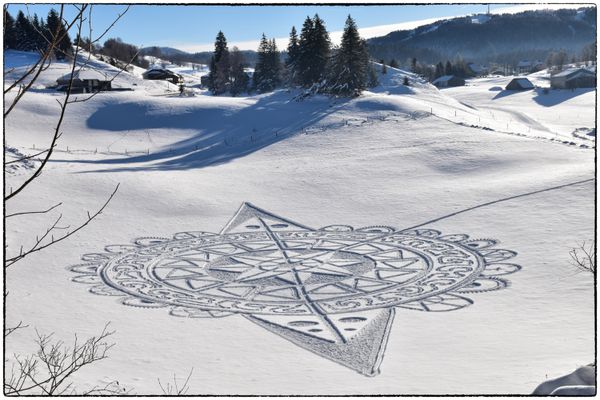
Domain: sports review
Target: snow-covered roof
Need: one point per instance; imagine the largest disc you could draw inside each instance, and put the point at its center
(444, 78)
(571, 71)
(524, 63)
(477, 68)
(85, 74)
(524, 83)
(159, 71)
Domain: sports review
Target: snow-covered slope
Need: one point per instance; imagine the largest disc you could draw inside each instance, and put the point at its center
(398, 156)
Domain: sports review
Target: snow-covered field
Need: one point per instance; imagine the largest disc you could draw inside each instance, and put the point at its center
(397, 156)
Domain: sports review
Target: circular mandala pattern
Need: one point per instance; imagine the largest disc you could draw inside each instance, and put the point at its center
(328, 284)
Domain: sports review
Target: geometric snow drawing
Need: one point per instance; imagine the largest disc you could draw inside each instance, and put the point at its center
(332, 291)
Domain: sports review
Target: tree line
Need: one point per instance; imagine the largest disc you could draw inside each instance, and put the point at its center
(34, 34)
(311, 62)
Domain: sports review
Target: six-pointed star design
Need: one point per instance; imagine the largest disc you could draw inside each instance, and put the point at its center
(332, 290)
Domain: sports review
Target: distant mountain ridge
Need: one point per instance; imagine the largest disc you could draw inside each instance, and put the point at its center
(176, 55)
(492, 38)
(505, 38)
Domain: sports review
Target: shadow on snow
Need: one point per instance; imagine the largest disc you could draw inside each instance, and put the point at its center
(557, 96)
(223, 134)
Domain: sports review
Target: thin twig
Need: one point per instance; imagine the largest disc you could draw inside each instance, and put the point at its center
(34, 212)
(25, 158)
(56, 130)
(111, 25)
(38, 246)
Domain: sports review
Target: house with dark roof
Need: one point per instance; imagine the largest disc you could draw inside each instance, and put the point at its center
(448, 81)
(573, 78)
(85, 80)
(162, 74)
(520, 84)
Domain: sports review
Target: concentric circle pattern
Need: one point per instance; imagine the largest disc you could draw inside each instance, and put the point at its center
(331, 284)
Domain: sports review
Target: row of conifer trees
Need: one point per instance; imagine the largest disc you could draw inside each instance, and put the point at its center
(34, 34)
(311, 62)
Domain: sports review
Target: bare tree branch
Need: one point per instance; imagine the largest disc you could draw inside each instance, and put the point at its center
(56, 130)
(110, 80)
(41, 62)
(11, 329)
(38, 246)
(584, 257)
(174, 389)
(119, 16)
(34, 212)
(25, 158)
(59, 363)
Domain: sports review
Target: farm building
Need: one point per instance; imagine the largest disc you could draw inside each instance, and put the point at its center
(162, 74)
(573, 78)
(448, 81)
(478, 69)
(520, 84)
(85, 80)
(526, 66)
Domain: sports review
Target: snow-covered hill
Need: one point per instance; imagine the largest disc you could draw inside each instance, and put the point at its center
(475, 160)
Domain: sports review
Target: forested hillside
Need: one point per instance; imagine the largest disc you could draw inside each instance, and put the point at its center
(503, 38)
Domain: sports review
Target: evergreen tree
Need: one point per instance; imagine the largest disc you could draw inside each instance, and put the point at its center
(314, 49)
(322, 48)
(305, 53)
(383, 68)
(239, 78)
(373, 81)
(393, 63)
(275, 63)
(268, 67)
(448, 69)
(10, 34)
(38, 34)
(221, 49)
(57, 30)
(348, 75)
(218, 78)
(439, 70)
(291, 63)
(23, 33)
(413, 64)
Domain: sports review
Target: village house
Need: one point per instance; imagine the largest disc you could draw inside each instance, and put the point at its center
(520, 84)
(478, 69)
(448, 81)
(162, 74)
(526, 66)
(85, 80)
(573, 78)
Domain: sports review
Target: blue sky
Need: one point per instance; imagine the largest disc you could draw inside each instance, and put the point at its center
(193, 27)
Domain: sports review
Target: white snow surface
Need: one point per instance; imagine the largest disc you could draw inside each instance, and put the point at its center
(397, 155)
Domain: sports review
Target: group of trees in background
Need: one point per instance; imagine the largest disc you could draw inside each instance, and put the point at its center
(227, 69)
(311, 63)
(120, 52)
(35, 34)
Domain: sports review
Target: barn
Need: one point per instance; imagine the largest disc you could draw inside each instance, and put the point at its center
(448, 81)
(162, 74)
(85, 80)
(573, 78)
(520, 84)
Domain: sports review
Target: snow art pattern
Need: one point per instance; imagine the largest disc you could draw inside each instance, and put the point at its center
(332, 291)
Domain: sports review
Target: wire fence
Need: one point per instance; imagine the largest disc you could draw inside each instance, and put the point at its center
(255, 137)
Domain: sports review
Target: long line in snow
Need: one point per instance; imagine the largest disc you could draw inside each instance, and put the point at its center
(499, 201)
